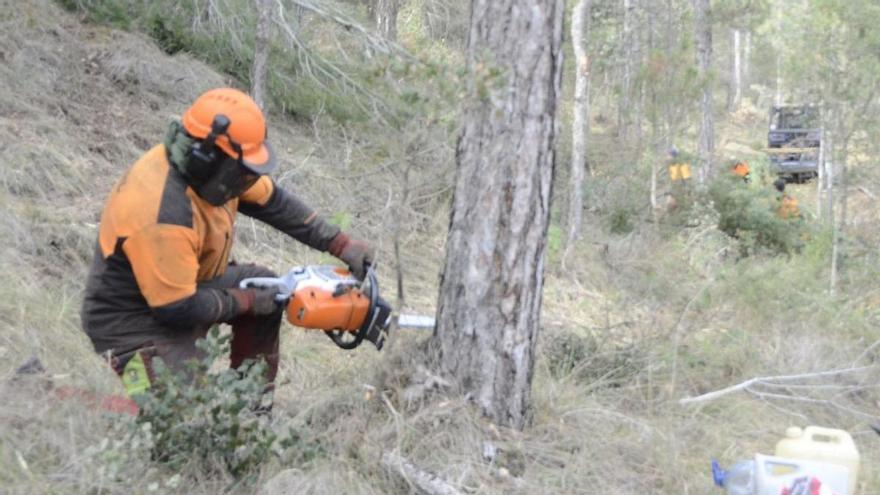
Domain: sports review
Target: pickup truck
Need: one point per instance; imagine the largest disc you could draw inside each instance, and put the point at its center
(793, 142)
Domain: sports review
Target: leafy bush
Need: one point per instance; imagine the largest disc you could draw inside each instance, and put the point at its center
(213, 418)
(748, 214)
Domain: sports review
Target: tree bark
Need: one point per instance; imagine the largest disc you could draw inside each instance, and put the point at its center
(746, 58)
(820, 169)
(777, 16)
(840, 226)
(703, 35)
(259, 69)
(657, 143)
(490, 290)
(624, 105)
(384, 14)
(580, 127)
(736, 76)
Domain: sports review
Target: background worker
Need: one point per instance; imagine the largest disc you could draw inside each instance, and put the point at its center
(161, 275)
(741, 169)
(679, 175)
(788, 205)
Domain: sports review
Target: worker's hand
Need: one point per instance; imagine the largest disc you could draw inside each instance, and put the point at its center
(258, 301)
(358, 255)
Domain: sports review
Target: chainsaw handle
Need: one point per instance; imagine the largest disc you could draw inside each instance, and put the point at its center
(284, 290)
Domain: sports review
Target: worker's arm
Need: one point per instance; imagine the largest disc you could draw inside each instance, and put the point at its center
(277, 207)
(164, 259)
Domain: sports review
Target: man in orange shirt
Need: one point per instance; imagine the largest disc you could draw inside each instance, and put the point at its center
(788, 205)
(161, 275)
(741, 169)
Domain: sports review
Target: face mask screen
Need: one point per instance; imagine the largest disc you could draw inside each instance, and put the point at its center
(229, 180)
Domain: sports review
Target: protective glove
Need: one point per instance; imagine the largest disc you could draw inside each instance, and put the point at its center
(358, 255)
(259, 301)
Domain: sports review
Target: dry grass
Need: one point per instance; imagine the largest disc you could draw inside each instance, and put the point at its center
(659, 315)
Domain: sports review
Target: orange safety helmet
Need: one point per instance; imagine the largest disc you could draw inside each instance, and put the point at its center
(247, 127)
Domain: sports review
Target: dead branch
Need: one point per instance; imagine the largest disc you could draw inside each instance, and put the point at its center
(421, 480)
(768, 380)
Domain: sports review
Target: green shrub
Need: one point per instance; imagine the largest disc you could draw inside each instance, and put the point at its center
(748, 214)
(621, 219)
(213, 418)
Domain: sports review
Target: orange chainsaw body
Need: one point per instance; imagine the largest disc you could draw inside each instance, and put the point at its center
(320, 309)
(328, 298)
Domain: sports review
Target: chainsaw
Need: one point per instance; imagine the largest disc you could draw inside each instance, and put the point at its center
(331, 299)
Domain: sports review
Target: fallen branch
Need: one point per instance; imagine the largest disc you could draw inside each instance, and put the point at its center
(423, 481)
(768, 380)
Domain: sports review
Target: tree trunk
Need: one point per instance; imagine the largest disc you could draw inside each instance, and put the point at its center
(840, 226)
(654, 117)
(259, 69)
(490, 291)
(746, 58)
(777, 13)
(820, 169)
(384, 14)
(624, 104)
(580, 127)
(703, 35)
(736, 76)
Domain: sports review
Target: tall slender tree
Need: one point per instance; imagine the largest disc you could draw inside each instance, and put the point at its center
(384, 14)
(703, 36)
(736, 76)
(493, 276)
(580, 126)
(627, 68)
(259, 69)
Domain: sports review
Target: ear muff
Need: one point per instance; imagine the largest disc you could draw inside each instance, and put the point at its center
(197, 159)
(178, 144)
(204, 155)
(195, 168)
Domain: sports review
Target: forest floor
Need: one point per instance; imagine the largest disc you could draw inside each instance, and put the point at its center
(633, 323)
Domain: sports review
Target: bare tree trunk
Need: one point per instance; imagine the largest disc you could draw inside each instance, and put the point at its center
(259, 69)
(840, 227)
(703, 30)
(384, 14)
(638, 88)
(654, 117)
(777, 14)
(746, 59)
(580, 127)
(832, 283)
(668, 42)
(490, 291)
(829, 177)
(820, 169)
(736, 77)
(624, 104)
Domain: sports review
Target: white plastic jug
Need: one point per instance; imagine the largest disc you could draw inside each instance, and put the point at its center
(773, 474)
(819, 444)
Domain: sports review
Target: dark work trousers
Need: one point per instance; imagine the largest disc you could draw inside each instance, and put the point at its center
(253, 337)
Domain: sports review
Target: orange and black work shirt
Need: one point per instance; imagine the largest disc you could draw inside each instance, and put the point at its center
(159, 240)
(741, 169)
(788, 207)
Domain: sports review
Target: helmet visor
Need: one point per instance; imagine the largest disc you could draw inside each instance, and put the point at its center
(260, 160)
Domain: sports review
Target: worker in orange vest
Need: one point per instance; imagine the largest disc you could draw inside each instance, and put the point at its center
(788, 205)
(741, 169)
